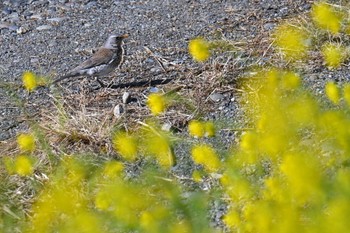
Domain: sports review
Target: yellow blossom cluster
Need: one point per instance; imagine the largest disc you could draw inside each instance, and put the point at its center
(283, 175)
(22, 164)
(82, 198)
(199, 49)
(327, 17)
(200, 129)
(157, 103)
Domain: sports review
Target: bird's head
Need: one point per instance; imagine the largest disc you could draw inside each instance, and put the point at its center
(115, 41)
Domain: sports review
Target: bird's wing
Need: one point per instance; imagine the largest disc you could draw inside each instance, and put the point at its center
(102, 56)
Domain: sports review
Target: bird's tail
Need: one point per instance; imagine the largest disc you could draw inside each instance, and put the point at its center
(64, 77)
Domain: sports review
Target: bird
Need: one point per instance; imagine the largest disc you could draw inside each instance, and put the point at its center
(106, 59)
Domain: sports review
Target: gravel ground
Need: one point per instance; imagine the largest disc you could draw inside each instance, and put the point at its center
(50, 37)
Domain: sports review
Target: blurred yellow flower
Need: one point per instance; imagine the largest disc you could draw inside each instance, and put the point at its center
(333, 55)
(232, 219)
(346, 93)
(157, 103)
(23, 166)
(26, 142)
(113, 169)
(209, 129)
(196, 128)
(249, 141)
(206, 156)
(125, 145)
(332, 92)
(327, 17)
(181, 227)
(199, 49)
(103, 200)
(196, 176)
(29, 80)
(159, 146)
(291, 81)
(292, 41)
(303, 176)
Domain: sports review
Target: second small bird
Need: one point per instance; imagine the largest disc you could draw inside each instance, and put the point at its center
(103, 62)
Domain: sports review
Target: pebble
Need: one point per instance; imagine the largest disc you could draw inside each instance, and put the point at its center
(126, 97)
(153, 89)
(34, 60)
(91, 4)
(22, 30)
(13, 17)
(166, 127)
(216, 97)
(7, 11)
(118, 110)
(44, 27)
(36, 17)
(269, 26)
(55, 20)
(13, 28)
(4, 26)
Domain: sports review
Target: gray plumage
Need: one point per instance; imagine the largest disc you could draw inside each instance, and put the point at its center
(103, 62)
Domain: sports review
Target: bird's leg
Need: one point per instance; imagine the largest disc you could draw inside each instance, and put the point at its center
(100, 82)
(110, 84)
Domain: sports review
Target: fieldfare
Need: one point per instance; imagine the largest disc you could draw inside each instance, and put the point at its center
(104, 61)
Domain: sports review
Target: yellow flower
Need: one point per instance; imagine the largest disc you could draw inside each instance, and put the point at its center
(199, 49)
(156, 102)
(113, 169)
(291, 81)
(103, 200)
(346, 92)
(292, 41)
(326, 17)
(303, 176)
(332, 92)
(159, 146)
(126, 145)
(196, 176)
(232, 218)
(209, 129)
(26, 142)
(23, 166)
(206, 156)
(29, 80)
(333, 55)
(196, 128)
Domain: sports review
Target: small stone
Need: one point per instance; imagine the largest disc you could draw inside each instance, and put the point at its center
(166, 127)
(126, 97)
(7, 11)
(216, 97)
(55, 20)
(22, 30)
(34, 60)
(153, 89)
(43, 27)
(36, 17)
(13, 28)
(4, 26)
(91, 4)
(269, 26)
(118, 110)
(155, 70)
(13, 17)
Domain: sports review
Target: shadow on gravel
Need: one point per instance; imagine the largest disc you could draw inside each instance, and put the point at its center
(142, 83)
